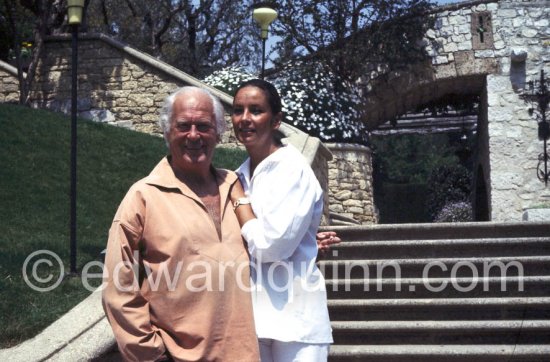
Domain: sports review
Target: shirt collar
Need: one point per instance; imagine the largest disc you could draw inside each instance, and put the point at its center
(163, 176)
(244, 172)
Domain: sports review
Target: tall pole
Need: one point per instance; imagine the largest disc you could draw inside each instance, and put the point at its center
(545, 164)
(264, 13)
(263, 58)
(74, 73)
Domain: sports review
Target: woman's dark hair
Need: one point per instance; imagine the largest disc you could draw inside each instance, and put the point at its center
(269, 90)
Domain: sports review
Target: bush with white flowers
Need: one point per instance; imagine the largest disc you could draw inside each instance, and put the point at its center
(314, 100)
(228, 79)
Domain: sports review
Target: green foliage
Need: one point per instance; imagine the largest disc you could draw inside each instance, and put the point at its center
(411, 158)
(34, 189)
(16, 24)
(401, 203)
(447, 184)
(460, 211)
(229, 158)
(428, 169)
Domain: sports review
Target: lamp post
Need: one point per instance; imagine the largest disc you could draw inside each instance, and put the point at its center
(264, 13)
(74, 12)
(539, 96)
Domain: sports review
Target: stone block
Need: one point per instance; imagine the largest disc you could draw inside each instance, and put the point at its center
(99, 115)
(342, 195)
(355, 210)
(536, 215)
(352, 202)
(336, 208)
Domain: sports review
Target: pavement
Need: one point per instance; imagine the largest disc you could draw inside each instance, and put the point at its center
(82, 334)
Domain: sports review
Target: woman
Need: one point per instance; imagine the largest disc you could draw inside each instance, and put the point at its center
(279, 207)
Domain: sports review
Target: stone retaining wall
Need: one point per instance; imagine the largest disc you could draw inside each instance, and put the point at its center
(116, 84)
(350, 182)
(9, 84)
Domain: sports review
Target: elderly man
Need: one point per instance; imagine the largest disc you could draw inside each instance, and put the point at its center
(176, 270)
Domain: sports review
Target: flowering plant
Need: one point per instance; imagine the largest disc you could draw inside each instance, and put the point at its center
(228, 79)
(460, 211)
(314, 100)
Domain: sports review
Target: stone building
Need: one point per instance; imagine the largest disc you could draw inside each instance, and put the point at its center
(490, 49)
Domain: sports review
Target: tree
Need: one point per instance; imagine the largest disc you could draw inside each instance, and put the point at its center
(411, 158)
(448, 185)
(197, 38)
(39, 17)
(351, 36)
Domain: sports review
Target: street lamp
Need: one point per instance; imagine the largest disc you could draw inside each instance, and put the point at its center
(74, 12)
(539, 97)
(264, 13)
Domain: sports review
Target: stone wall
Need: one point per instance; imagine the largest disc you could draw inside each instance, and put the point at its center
(9, 85)
(514, 146)
(516, 39)
(489, 48)
(350, 182)
(116, 84)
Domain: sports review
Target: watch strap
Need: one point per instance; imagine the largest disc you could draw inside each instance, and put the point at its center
(241, 201)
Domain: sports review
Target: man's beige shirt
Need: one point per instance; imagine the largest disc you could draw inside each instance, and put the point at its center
(172, 284)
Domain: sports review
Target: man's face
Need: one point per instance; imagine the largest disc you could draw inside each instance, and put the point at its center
(192, 137)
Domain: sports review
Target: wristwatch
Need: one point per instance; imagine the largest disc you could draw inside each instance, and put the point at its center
(241, 201)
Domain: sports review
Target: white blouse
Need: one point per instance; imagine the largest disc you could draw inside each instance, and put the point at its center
(288, 290)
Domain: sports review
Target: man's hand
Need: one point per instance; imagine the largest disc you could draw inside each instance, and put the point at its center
(325, 239)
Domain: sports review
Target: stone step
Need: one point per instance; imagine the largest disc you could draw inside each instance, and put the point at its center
(439, 309)
(500, 315)
(429, 231)
(442, 332)
(490, 287)
(439, 248)
(440, 353)
(436, 267)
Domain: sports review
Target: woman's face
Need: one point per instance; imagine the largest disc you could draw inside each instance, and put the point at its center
(253, 119)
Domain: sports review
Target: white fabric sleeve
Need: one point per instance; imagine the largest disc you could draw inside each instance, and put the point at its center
(286, 214)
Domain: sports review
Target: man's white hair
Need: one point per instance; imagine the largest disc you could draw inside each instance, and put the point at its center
(168, 106)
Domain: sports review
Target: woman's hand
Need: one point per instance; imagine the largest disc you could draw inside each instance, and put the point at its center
(325, 239)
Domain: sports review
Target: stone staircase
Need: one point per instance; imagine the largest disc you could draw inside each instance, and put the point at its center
(440, 292)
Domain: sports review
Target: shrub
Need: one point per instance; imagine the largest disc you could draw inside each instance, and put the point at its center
(455, 212)
(314, 100)
(228, 79)
(447, 184)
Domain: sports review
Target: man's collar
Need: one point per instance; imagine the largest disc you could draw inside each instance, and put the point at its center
(163, 176)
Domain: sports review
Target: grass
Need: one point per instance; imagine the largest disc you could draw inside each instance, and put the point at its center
(34, 214)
